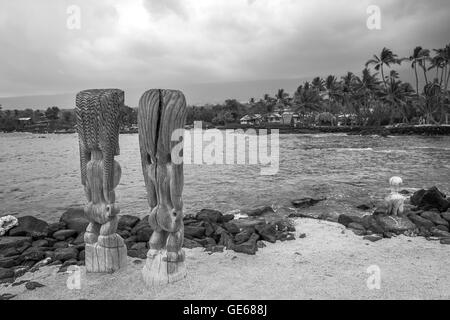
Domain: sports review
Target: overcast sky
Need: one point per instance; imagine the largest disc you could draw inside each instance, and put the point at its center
(141, 44)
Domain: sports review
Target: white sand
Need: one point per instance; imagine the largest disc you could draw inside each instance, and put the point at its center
(327, 264)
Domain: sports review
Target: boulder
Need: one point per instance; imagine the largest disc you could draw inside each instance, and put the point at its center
(420, 221)
(13, 242)
(209, 229)
(9, 252)
(75, 219)
(356, 226)
(446, 216)
(209, 215)
(64, 234)
(142, 230)
(190, 244)
(33, 254)
(248, 247)
(395, 224)
(31, 227)
(9, 262)
(227, 217)
(346, 219)
(445, 241)
(441, 227)
(194, 232)
(40, 243)
(124, 233)
(53, 227)
(61, 244)
(431, 198)
(127, 221)
(434, 217)
(259, 211)
(231, 227)
(306, 202)
(129, 242)
(267, 232)
(6, 273)
(243, 236)
(139, 246)
(226, 240)
(51, 241)
(370, 223)
(79, 239)
(64, 254)
(440, 233)
(141, 253)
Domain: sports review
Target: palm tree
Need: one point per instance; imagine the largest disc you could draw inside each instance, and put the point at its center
(368, 86)
(396, 96)
(318, 84)
(418, 55)
(386, 58)
(333, 90)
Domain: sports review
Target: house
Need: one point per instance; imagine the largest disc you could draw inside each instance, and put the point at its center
(274, 118)
(252, 120)
(24, 122)
(290, 118)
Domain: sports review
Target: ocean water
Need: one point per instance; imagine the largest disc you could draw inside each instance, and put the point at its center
(40, 174)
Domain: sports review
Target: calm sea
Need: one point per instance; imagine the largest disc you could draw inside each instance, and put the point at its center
(40, 174)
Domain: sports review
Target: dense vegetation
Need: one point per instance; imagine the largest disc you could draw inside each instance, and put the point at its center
(375, 97)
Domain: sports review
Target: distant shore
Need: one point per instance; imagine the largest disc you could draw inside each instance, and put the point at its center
(426, 130)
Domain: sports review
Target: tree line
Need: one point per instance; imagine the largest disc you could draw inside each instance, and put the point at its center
(377, 96)
(52, 119)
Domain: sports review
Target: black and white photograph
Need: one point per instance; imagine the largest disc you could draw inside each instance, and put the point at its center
(237, 151)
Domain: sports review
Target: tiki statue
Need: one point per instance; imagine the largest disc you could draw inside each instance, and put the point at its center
(97, 114)
(394, 201)
(161, 113)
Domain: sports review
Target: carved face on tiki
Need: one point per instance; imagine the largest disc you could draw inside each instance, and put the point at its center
(98, 122)
(161, 112)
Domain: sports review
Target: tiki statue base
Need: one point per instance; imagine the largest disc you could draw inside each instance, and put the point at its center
(158, 271)
(106, 259)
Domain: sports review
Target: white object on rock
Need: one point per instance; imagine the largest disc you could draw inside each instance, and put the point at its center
(6, 223)
(395, 201)
(395, 183)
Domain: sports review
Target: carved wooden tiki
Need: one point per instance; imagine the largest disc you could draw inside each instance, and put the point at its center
(161, 112)
(97, 113)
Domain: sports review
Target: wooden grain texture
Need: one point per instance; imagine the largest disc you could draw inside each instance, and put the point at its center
(98, 121)
(161, 112)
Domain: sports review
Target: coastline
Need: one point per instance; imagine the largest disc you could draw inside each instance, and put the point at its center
(424, 130)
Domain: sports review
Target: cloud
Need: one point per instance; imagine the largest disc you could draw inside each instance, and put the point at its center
(142, 43)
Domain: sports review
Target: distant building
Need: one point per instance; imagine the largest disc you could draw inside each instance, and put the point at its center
(252, 120)
(274, 118)
(290, 118)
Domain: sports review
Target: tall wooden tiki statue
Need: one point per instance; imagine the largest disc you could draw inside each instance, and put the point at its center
(161, 112)
(97, 113)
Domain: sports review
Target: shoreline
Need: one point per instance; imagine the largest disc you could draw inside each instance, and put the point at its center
(329, 263)
(423, 130)
(319, 255)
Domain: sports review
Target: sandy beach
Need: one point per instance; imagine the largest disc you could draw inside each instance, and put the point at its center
(329, 263)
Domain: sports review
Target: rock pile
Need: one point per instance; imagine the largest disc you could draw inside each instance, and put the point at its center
(213, 231)
(429, 218)
(34, 243)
